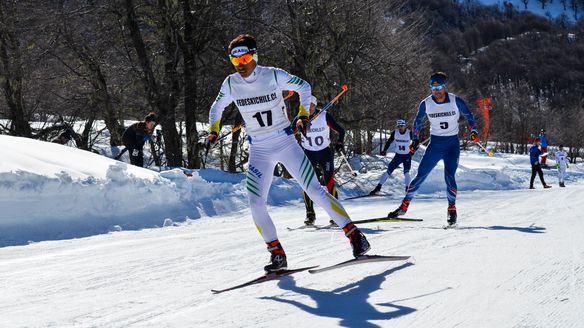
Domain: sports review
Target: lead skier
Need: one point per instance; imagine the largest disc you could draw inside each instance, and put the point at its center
(257, 92)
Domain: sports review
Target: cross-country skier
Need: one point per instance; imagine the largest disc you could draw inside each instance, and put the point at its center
(561, 164)
(443, 111)
(534, 156)
(316, 143)
(402, 137)
(257, 92)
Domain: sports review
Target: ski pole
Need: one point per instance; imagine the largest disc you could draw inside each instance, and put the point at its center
(489, 152)
(353, 173)
(330, 103)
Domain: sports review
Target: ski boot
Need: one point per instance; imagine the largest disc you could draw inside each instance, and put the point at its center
(376, 190)
(277, 259)
(401, 210)
(562, 184)
(358, 241)
(451, 219)
(547, 186)
(531, 187)
(333, 223)
(310, 220)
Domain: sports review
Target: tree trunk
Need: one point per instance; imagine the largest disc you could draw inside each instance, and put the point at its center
(11, 77)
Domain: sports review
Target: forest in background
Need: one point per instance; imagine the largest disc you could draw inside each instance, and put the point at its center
(116, 60)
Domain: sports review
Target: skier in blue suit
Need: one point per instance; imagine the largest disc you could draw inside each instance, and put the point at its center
(443, 111)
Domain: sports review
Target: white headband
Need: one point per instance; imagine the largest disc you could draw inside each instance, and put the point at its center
(239, 51)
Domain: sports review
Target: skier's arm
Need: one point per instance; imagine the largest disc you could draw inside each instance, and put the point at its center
(389, 141)
(223, 100)
(417, 126)
(467, 114)
(330, 120)
(287, 81)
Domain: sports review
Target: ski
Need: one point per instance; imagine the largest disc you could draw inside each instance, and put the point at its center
(386, 219)
(264, 278)
(367, 195)
(360, 260)
(305, 226)
(450, 226)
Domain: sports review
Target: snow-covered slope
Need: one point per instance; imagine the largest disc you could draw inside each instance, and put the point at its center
(517, 259)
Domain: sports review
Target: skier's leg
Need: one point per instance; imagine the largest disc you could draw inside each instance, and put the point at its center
(533, 173)
(407, 166)
(259, 177)
(451, 157)
(300, 168)
(431, 157)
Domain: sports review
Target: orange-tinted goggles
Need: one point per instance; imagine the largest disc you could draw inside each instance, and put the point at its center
(241, 60)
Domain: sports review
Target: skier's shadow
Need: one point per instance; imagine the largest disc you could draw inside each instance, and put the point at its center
(530, 229)
(348, 303)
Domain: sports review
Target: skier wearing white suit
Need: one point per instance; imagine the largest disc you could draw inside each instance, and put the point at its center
(257, 93)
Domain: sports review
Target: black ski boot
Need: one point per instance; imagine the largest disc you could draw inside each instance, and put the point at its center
(278, 259)
(451, 219)
(401, 210)
(376, 190)
(358, 241)
(562, 184)
(333, 223)
(310, 220)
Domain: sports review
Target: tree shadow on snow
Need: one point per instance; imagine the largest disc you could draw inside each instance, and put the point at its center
(348, 303)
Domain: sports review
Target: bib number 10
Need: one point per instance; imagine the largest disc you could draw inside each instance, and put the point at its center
(267, 114)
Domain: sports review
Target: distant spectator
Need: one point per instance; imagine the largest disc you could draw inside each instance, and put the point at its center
(534, 155)
(136, 135)
(63, 138)
(544, 147)
(561, 164)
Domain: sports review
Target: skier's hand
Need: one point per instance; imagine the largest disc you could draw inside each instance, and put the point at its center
(135, 152)
(474, 136)
(414, 146)
(212, 138)
(340, 147)
(303, 124)
(382, 153)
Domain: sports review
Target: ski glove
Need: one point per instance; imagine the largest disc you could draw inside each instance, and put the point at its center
(303, 124)
(414, 146)
(135, 152)
(474, 136)
(340, 147)
(212, 137)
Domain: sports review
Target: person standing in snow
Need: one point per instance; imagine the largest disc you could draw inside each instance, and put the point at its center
(402, 137)
(136, 135)
(443, 111)
(561, 164)
(316, 143)
(257, 92)
(534, 156)
(544, 148)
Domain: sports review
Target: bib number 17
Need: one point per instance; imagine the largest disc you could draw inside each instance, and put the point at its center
(258, 116)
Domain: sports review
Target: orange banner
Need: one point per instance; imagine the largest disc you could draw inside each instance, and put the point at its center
(484, 106)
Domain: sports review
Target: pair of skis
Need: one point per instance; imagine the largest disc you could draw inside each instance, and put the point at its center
(373, 220)
(313, 269)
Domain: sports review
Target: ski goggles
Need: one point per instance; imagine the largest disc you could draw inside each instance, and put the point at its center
(241, 60)
(437, 87)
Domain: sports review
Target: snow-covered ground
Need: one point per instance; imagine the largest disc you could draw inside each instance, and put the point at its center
(517, 259)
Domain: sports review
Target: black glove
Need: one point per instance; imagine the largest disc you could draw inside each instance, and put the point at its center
(383, 153)
(303, 124)
(414, 146)
(340, 147)
(474, 136)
